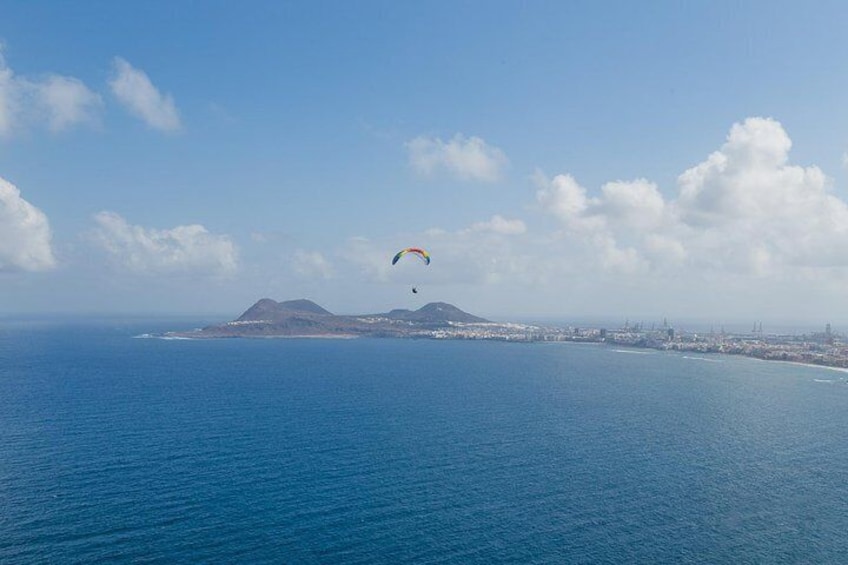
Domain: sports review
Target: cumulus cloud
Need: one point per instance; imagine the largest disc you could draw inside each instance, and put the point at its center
(312, 264)
(133, 88)
(467, 158)
(744, 209)
(24, 233)
(56, 101)
(187, 249)
(739, 232)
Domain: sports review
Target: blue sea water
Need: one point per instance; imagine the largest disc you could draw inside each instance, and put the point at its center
(115, 449)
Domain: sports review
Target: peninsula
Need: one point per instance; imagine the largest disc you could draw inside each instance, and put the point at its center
(304, 318)
(439, 320)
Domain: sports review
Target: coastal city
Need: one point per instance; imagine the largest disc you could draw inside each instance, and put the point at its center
(268, 318)
(826, 348)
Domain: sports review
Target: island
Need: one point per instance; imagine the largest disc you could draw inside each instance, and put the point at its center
(304, 318)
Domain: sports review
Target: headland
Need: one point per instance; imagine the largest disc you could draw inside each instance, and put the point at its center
(268, 318)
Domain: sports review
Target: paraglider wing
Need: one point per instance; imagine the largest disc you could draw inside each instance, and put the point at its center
(423, 255)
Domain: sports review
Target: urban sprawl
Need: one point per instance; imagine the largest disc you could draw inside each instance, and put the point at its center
(825, 348)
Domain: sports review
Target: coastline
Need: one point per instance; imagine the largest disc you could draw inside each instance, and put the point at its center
(617, 347)
(813, 365)
(719, 354)
(304, 319)
(198, 336)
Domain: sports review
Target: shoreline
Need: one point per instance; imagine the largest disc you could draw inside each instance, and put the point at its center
(683, 353)
(200, 337)
(625, 343)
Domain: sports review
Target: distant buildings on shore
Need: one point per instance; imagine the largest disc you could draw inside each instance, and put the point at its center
(825, 348)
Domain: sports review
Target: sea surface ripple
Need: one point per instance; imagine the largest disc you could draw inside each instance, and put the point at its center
(115, 449)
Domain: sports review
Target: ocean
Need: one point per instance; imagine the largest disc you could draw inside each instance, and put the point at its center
(115, 448)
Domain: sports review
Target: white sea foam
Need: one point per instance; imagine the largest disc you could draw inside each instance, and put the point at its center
(630, 351)
(174, 338)
(815, 366)
(694, 358)
(163, 336)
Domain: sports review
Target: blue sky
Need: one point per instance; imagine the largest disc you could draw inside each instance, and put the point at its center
(559, 159)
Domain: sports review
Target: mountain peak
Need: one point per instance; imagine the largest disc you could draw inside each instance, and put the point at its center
(435, 312)
(302, 318)
(304, 305)
(267, 309)
(444, 312)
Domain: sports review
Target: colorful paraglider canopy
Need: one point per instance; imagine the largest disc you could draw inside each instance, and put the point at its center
(423, 255)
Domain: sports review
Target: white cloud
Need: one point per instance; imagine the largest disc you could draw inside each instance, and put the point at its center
(499, 224)
(187, 249)
(9, 98)
(744, 209)
(136, 92)
(312, 264)
(660, 249)
(371, 260)
(633, 205)
(484, 253)
(56, 101)
(743, 233)
(24, 233)
(468, 158)
(66, 101)
(566, 200)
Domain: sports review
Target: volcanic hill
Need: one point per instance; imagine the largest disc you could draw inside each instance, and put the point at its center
(304, 318)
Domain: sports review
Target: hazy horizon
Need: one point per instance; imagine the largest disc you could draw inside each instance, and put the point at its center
(770, 326)
(559, 161)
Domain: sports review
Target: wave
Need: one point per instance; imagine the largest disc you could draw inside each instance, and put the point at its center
(164, 337)
(707, 359)
(816, 366)
(175, 338)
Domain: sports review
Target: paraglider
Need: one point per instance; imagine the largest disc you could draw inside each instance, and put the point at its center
(423, 255)
(420, 253)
